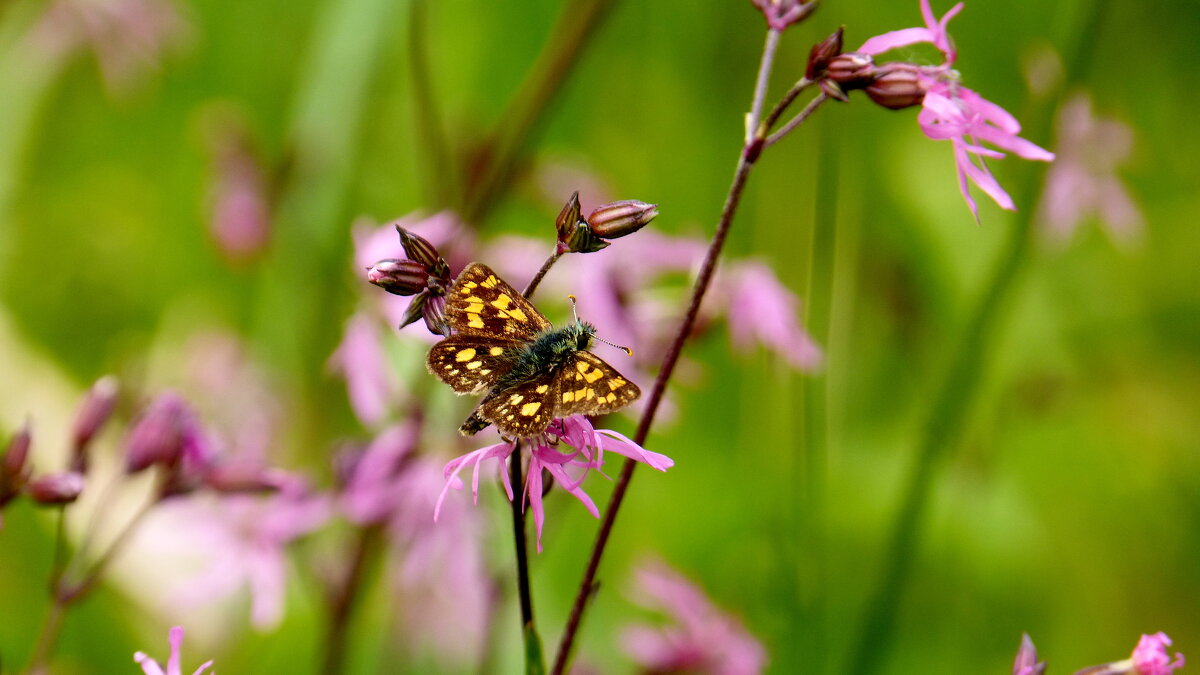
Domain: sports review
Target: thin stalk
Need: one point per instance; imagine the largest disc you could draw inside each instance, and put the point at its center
(947, 421)
(344, 600)
(760, 84)
(587, 585)
(533, 648)
(571, 33)
(541, 274)
(797, 120)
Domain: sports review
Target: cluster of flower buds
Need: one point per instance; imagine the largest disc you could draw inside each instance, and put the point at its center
(52, 489)
(168, 435)
(577, 234)
(425, 275)
(782, 13)
(895, 86)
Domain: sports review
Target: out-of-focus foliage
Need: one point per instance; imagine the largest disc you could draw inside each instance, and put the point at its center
(1071, 511)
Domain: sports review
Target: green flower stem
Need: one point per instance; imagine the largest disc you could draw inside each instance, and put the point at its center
(947, 421)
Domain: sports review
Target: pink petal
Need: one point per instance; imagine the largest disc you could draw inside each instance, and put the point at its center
(627, 448)
(896, 39)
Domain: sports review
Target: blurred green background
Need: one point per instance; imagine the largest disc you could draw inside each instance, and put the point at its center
(1067, 505)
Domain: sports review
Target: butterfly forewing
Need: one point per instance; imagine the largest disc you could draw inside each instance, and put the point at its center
(523, 410)
(471, 364)
(481, 303)
(589, 386)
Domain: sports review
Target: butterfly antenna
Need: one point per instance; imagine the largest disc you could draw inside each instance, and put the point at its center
(574, 301)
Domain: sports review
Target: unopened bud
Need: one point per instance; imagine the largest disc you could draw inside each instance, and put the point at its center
(399, 277)
(55, 488)
(434, 313)
(13, 469)
(851, 70)
(97, 407)
(897, 89)
(240, 478)
(821, 53)
(158, 437)
(568, 218)
(417, 248)
(618, 219)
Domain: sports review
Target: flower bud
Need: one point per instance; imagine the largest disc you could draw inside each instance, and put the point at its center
(56, 488)
(242, 478)
(851, 70)
(611, 221)
(897, 89)
(399, 277)
(568, 218)
(782, 13)
(434, 313)
(14, 471)
(158, 437)
(821, 53)
(418, 249)
(97, 407)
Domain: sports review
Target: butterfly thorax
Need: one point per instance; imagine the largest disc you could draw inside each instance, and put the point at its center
(549, 352)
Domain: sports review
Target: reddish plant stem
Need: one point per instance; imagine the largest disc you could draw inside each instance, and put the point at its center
(703, 281)
(519, 538)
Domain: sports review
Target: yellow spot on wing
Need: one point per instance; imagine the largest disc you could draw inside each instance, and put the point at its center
(474, 364)
(581, 366)
(530, 408)
(594, 375)
(474, 321)
(497, 351)
(568, 396)
(616, 383)
(543, 389)
(517, 314)
(465, 355)
(610, 398)
(515, 399)
(490, 282)
(502, 302)
(474, 308)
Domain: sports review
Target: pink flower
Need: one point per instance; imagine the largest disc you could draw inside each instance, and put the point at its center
(1083, 182)
(151, 667)
(1150, 656)
(966, 119)
(371, 495)
(702, 638)
(933, 32)
(240, 193)
(544, 455)
(370, 382)
(762, 309)
(955, 113)
(128, 37)
(242, 541)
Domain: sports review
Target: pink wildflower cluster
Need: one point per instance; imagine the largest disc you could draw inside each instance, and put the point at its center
(950, 111)
(700, 638)
(152, 667)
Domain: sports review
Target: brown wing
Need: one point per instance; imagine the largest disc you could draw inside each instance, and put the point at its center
(471, 364)
(481, 303)
(522, 411)
(589, 386)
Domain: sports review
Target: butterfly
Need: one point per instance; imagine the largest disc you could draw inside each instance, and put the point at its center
(531, 372)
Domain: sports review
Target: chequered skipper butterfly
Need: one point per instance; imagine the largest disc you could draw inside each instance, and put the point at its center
(531, 371)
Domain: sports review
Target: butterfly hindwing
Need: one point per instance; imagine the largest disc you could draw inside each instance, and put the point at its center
(589, 386)
(523, 410)
(481, 303)
(471, 364)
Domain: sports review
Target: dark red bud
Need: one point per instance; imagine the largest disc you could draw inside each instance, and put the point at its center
(568, 217)
(240, 478)
(418, 249)
(897, 89)
(851, 70)
(821, 53)
(55, 488)
(158, 437)
(434, 313)
(14, 471)
(618, 219)
(97, 407)
(399, 277)
(415, 308)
